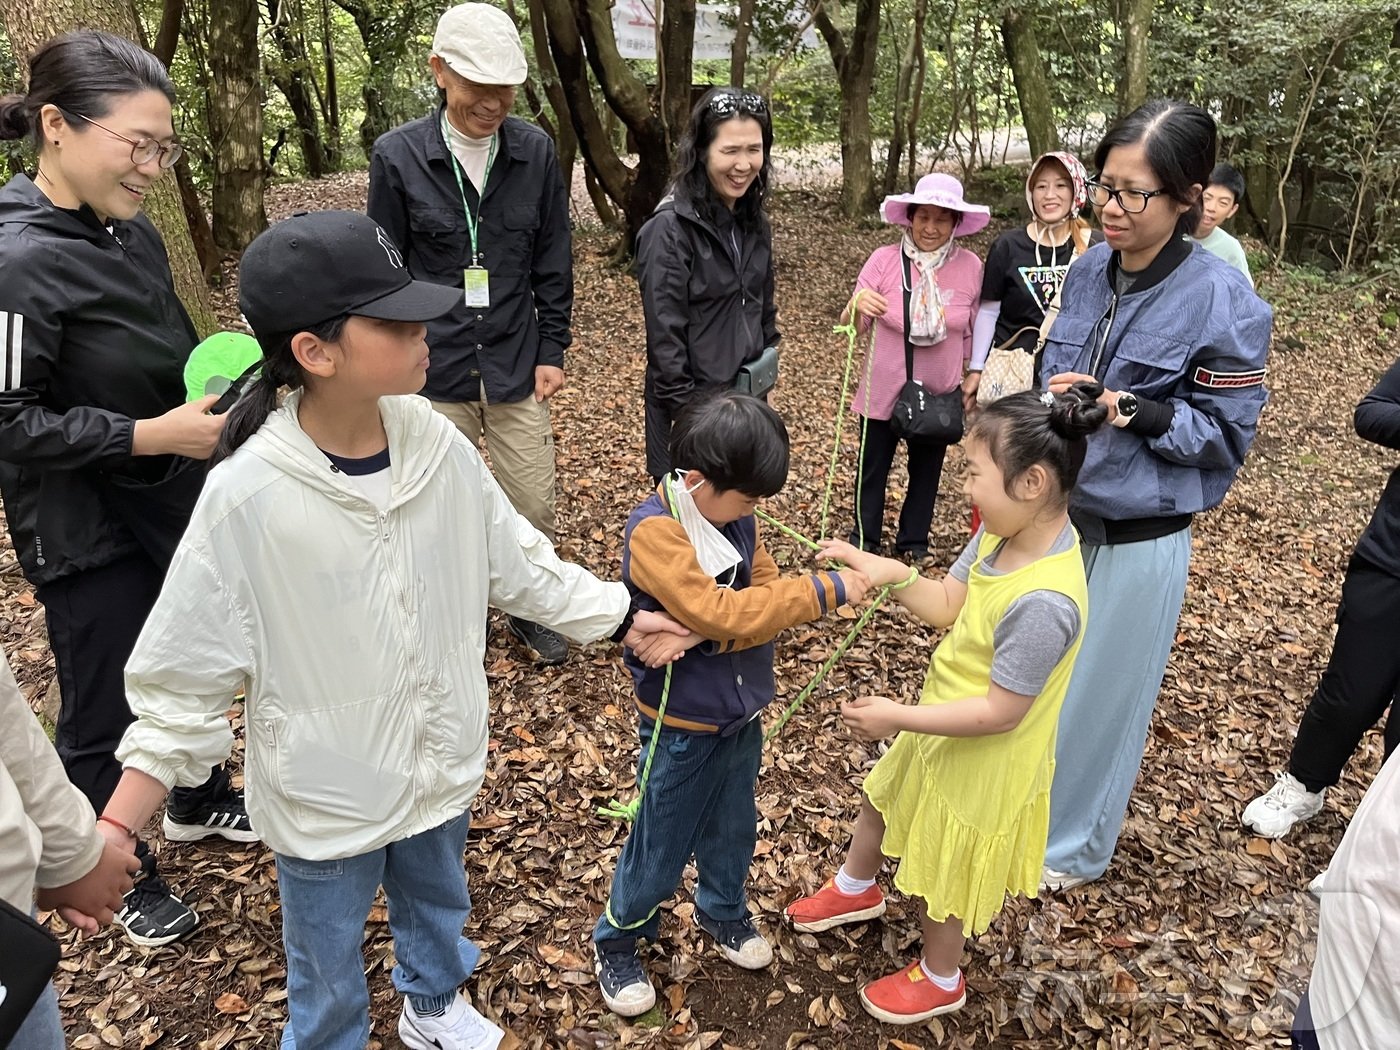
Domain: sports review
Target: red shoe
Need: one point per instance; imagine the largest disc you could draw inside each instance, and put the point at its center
(829, 907)
(908, 997)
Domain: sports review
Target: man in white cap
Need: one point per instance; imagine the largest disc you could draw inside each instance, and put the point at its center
(475, 199)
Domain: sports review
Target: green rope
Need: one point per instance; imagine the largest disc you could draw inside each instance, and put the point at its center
(763, 515)
(851, 330)
(629, 811)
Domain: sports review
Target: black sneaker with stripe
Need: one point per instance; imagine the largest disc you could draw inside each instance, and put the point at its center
(223, 815)
(151, 914)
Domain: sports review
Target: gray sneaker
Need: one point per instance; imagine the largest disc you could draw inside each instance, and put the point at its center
(548, 646)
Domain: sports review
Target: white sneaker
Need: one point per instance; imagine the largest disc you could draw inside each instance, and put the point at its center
(1288, 802)
(460, 1028)
(1052, 881)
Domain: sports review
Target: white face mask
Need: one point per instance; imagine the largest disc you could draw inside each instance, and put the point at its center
(716, 555)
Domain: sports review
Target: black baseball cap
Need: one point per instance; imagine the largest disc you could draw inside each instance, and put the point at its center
(323, 264)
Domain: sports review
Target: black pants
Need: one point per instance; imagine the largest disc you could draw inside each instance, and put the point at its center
(877, 451)
(94, 618)
(1360, 681)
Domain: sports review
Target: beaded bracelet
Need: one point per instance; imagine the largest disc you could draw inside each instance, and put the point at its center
(117, 824)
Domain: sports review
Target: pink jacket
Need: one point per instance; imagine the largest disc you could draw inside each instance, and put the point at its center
(938, 367)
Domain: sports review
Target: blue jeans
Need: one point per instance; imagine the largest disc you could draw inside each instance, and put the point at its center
(324, 907)
(698, 802)
(42, 1029)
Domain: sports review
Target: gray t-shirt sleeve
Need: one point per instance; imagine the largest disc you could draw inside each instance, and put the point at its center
(961, 569)
(1033, 635)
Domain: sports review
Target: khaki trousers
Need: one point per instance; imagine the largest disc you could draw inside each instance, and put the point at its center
(520, 443)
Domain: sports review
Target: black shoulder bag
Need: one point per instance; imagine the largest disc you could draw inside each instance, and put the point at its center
(918, 415)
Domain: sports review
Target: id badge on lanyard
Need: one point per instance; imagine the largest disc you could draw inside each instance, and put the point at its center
(476, 285)
(476, 281)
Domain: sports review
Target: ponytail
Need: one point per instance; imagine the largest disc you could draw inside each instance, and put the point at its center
(1024, 429)
(1080, 232)
(259, 400)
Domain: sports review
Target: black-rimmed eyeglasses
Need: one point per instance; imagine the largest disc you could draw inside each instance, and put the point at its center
(143, 151)
(1133, 202)
(727, 103)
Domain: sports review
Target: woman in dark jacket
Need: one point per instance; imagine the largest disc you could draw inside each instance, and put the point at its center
(93, 422)
(705, 263)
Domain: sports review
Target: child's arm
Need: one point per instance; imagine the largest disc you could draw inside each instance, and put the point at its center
(661, 561)
(72, 856)
(936, 602)
(190, 660)
(1000, 711)
(1033, 637)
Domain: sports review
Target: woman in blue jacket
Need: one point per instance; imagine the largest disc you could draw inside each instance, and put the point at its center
(1179, 340)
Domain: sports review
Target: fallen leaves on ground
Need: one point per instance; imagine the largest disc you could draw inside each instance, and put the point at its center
(1199, 935)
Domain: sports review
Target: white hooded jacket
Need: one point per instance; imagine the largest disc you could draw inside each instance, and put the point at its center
(360, 634)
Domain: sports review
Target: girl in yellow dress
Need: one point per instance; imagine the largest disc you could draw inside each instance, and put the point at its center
(962, 799)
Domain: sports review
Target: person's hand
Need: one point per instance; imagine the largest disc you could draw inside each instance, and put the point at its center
(90, 902)
(872, 304)
(872, 717)
(1062, 381)
(646, 623)
(549, 380)
(857, 584)
(970, 383)
(878, 571)
(188, 430)
(662, 648)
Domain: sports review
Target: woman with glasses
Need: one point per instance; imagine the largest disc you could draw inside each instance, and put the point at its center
(705, 263)
(92, 413)
(1179, 341)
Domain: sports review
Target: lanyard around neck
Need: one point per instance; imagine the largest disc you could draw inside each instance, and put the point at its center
(472, 220)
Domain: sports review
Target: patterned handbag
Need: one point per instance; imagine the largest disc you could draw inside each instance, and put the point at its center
(1009, 369)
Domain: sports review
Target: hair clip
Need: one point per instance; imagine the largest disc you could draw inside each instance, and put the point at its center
(1047, 399)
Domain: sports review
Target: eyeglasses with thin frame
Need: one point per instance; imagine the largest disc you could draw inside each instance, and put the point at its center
(143, 151)
(1133, 202)
(727, 103)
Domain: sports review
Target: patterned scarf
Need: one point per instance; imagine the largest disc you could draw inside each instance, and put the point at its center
(927, 325)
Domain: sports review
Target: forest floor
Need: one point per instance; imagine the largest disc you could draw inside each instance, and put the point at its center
(1198, 936)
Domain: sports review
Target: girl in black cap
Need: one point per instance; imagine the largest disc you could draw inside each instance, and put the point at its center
(340, 562)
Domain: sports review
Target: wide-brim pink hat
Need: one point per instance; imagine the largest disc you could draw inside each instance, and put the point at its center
(943, 191)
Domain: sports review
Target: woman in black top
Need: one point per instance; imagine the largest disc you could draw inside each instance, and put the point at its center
(1362, 677)
(93, 425)
(1027, 264)
(705, 263)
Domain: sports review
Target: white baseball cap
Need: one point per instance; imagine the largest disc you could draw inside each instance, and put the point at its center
(481, 43)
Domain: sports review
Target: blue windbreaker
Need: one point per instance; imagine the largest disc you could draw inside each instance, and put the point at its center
(1196, 341)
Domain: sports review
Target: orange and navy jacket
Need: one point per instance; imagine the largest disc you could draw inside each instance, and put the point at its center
(722, 683)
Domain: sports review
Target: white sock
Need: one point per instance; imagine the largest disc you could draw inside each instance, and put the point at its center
(947, 984)
(849, 886)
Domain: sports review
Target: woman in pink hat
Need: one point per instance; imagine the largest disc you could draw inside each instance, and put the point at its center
(1027, 264)
(936, 285)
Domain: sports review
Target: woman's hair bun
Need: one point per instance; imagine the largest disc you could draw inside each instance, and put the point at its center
(1077, 412)
(14, 117)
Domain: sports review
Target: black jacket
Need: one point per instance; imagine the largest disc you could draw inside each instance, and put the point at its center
(707, 296)
(1378, 419)
(525, 245)
(94, 339)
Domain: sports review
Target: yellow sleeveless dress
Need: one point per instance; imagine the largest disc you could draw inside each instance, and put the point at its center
(968, 817)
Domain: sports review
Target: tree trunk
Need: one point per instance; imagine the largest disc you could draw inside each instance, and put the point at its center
(1137, 24)
(1032, 85)
(675, 63)
(581, 42)
(290, 74)
(29, 23)
(168, 35)
(739, 50)
(332, 97)
(902, 127)
(855, 72)
(386, 29)
(235, 124)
